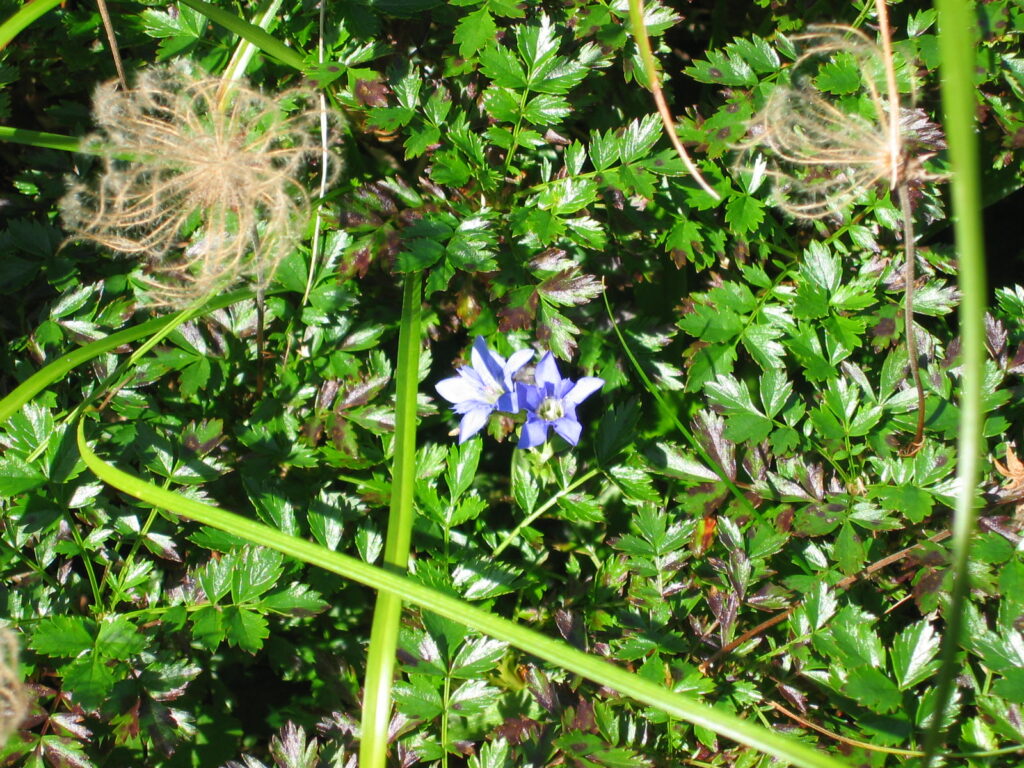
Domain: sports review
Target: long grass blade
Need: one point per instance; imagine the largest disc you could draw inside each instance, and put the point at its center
(387, 615)
(267, 43)
(957, 36)
(23, 17)
(556, 652)
(60, 367)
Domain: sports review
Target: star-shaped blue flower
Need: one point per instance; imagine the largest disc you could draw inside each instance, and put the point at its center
(485, 387)
(551, 404)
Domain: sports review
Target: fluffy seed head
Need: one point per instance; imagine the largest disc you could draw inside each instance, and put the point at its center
(823, 154)
(202, 181)
(13, 697)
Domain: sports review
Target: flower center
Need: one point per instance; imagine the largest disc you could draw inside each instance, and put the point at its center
(551, 409)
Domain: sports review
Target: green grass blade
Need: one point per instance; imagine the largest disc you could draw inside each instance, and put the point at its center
(554, 651)
(60, 367)
(957, 36)
(267, 43)
(387, 614)
(24, 16)
(246, 50)
(41, 139)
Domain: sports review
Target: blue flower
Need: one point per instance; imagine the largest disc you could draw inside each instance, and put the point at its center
(485, 387)
(551, 403)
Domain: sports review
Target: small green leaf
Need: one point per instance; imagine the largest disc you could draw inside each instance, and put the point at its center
(913, 654)
(744, 213)
(17, 476)
(474, 31)
(245, 628)
(63, 635)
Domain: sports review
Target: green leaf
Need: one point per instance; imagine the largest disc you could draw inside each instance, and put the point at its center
(913, 502)
(476, 658)
(418, 698)
(525, 489)
(474, 31)
(840, 76)
(913, 654)
(849, 551)
(744, 213)
(255, 570)
(245, 628)
(722, 69)
(63, 635)
(870, 687)
(17, 476)
(744, 421)
(501, 65)
(639, 138)
(208, 627)
(472, 698)
(546, 109)
(89, 680)
(119, 639)
(462, 464)
(295, 600)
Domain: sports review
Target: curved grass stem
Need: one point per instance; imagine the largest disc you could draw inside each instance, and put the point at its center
(387, 615)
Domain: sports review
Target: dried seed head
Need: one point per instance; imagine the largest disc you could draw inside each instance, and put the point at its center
(202, 181)
(13, 697)
(823, 153)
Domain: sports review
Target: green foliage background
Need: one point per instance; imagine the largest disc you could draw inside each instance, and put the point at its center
(742, 461)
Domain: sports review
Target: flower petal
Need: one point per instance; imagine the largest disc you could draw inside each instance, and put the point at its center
(534, 433)
(547, 371)
(530, 397)
(569, 429)
(473, 422)
(488, 365)
(457, 389)
(584, 388)
(518, 359)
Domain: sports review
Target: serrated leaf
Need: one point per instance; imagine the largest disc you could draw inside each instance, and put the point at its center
(472, 697)
(296, 599)
(744, 213)
(474, 31)
(840, 76)
(245, 628)
(418, 698)
(462, 464)
(291, 749)
(639, 138)
(873, 689)
(501, 65)
(89, 680)
(17, 476)
(63, 635)
(913, 654)
(546, 109)
(255, 570)
(477, 657)
(635, 482)
(118, 638)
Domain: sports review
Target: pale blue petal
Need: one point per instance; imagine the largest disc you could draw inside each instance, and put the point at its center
(534, 433)
(488, 365)
(569, 429)
(547, 370)
(517, 361)
(457, 389)
(473, 422)
(584, 388)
